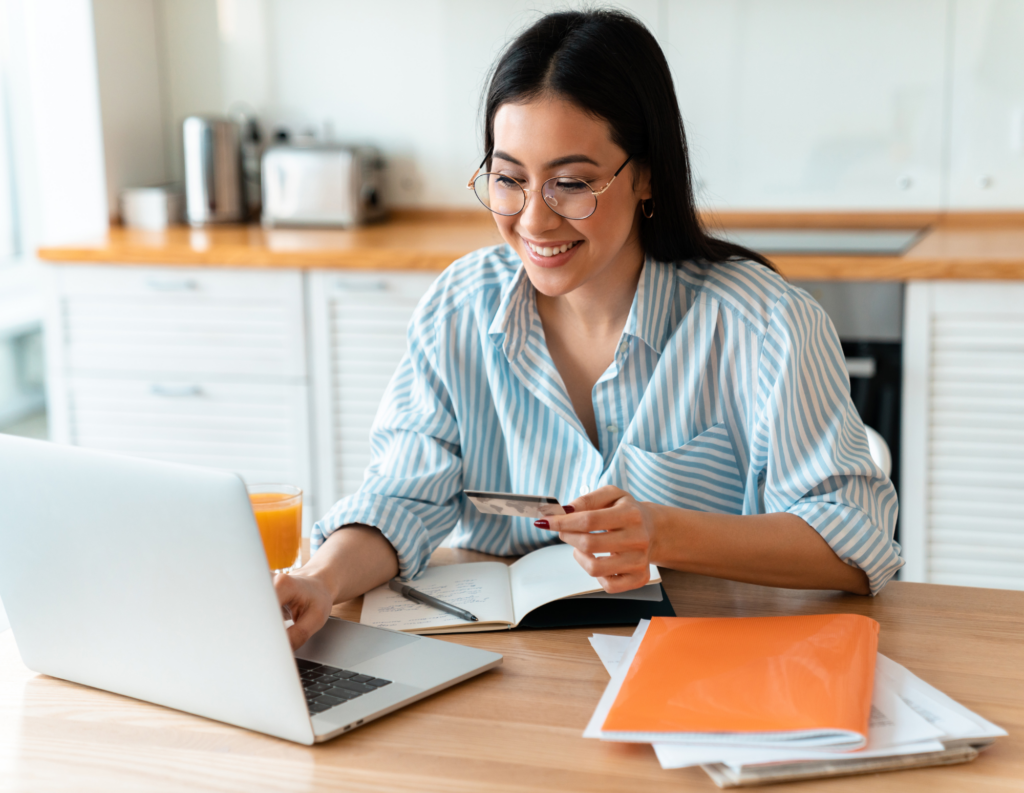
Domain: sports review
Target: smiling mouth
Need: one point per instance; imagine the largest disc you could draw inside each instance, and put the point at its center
(549, 251)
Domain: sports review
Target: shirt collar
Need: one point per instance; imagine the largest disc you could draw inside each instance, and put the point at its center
(512, 320)
(649, 316)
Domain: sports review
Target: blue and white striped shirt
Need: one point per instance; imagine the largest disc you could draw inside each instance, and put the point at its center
(728, 393)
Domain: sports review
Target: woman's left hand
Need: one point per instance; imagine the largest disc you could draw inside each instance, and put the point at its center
(627, 533)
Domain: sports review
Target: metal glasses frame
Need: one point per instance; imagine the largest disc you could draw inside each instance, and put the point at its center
(476, 175)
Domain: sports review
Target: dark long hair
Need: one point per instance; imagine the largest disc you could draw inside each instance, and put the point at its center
(609, 65)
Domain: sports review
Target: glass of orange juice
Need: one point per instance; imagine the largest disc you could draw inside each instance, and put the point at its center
(278, 511)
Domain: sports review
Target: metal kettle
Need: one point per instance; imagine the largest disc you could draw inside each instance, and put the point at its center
(214, 191)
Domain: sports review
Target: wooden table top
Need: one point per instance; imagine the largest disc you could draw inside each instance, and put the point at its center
(981, 245)
(516, 728)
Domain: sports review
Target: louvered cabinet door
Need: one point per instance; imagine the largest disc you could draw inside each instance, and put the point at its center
(258, 430)
(963, 437)
(196, 321)
(193, 365)
(358, 336)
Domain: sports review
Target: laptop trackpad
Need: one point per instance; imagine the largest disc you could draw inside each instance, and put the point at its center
(347, 644)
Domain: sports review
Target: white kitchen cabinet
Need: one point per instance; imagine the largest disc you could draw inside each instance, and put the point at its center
(962, 479)
(808, 104)
(259, 430)
(358, 325)
(190, 365)
(987, 105)
(157, 321)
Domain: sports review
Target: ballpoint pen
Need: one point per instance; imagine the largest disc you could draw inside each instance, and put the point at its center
(416, 596)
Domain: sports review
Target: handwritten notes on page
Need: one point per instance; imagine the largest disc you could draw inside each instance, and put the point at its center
(481, 588)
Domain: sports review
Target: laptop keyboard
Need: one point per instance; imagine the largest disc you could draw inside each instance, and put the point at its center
(327, 686)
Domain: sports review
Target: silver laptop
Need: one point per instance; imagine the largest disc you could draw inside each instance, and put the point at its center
(149, 579)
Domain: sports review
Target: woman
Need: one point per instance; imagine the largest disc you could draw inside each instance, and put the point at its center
(689, 406)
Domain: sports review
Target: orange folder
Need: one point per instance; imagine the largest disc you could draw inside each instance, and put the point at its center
(745, 675)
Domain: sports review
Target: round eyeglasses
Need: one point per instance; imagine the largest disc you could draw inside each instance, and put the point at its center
(567, 196)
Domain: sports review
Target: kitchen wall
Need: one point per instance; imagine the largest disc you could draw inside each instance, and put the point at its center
(869, 104)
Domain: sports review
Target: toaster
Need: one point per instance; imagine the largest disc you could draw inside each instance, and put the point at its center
(322, 185)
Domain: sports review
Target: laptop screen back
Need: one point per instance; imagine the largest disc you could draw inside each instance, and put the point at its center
(147, 579)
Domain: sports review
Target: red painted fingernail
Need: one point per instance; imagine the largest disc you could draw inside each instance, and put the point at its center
(569, 510)
(541, 524)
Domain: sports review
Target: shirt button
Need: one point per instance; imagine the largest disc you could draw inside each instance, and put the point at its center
(612, 428)
(623, 346)
(584, 490)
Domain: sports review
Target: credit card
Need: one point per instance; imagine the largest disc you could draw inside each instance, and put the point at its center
(514, 505)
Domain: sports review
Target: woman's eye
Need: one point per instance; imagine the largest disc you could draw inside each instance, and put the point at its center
(571, 186)
(505, 182)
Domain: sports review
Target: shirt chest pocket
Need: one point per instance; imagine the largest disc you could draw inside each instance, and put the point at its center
(701, 474)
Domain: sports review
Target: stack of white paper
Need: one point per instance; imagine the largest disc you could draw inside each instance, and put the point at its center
(908, 717)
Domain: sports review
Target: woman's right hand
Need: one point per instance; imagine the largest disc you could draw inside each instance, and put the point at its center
(351, 561)
(309, 602)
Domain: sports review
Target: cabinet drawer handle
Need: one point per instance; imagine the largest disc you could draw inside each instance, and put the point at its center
(159, 389)
(861, 367)
(361, 286)
(173, 284)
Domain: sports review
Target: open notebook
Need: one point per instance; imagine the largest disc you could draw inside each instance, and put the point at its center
(500, 595)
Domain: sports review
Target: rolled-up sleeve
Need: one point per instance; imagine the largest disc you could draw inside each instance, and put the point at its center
(817, 462)
(412, 490)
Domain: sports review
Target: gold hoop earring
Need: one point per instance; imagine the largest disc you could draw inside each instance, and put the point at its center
(643, 208)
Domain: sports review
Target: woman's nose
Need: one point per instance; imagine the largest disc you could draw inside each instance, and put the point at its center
(537, 217)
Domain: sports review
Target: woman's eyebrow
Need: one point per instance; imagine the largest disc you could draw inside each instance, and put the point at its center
(567, 160)
(570, 159)
(500, 155)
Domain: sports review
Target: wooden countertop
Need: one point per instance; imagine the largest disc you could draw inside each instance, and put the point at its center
(410, 241)
(517, 728)
(983, 245)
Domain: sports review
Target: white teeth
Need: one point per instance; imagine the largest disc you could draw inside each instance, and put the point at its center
(551, 251)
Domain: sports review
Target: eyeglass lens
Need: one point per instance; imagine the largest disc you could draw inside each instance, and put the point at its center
(571, 198)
